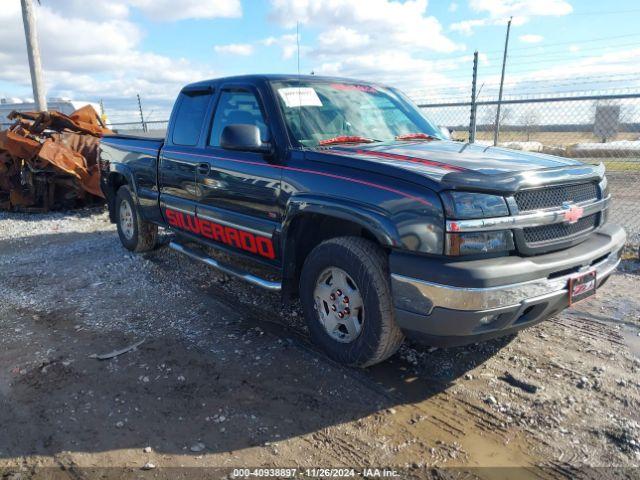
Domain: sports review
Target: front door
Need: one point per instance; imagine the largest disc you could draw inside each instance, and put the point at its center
(178, 164)
(240, 190)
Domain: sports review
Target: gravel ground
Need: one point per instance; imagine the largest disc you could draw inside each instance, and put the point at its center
(226, 377)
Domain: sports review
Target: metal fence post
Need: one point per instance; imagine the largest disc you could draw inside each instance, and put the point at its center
(472, 119)
(144, 125)
(496, 131)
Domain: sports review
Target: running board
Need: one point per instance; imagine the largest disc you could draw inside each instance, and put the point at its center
(247, 277)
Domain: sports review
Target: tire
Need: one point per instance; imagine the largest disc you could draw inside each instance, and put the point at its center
(370, 334)
(135, 234)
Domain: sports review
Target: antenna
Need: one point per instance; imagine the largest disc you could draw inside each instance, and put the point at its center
(298, 44)
(299, 96)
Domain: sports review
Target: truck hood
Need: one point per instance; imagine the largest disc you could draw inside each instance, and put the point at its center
(454, 165)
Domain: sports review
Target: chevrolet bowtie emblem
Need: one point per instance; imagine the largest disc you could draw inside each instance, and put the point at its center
(572, 213)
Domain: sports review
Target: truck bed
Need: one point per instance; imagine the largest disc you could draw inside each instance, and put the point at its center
(148, 136)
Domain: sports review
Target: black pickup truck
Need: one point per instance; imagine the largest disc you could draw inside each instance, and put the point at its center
(359, 205)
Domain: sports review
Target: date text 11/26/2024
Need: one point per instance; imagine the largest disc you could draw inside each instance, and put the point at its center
(315, 473)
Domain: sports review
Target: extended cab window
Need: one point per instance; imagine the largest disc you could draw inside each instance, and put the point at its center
(191, 112)
(236, 107)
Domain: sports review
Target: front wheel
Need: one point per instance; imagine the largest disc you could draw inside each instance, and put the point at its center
(347, 302)
(135, 234)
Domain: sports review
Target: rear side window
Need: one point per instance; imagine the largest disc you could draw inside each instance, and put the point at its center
(236, 107)
(188, 123)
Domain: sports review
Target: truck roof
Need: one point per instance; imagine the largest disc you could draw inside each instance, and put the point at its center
(274, 77)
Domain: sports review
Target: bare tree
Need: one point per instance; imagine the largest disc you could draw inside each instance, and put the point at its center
(530, 120)
(489, 115)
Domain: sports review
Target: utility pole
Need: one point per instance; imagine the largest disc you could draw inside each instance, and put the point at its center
(144, 125)
(33, 52)
(472, 120)
(496, 130)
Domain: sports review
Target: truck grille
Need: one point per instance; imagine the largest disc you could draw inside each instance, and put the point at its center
(551, 197)
(547, 237)
(559, 231)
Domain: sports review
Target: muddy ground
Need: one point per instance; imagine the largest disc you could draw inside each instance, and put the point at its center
(227, 378)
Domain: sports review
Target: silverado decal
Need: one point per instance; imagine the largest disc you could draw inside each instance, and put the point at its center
(233, 237)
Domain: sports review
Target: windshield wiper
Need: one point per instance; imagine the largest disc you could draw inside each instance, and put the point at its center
(416, 136)
(346, 139)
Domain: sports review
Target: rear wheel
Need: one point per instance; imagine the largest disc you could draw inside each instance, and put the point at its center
(135, 234)
(347, 301)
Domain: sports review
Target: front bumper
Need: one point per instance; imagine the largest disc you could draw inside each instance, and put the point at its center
(446, 302)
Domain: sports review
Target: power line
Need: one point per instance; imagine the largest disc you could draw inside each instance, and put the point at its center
(560, 59)
(624, 77)
(605, 12)
(494, 69)
(527, 91)
(572, 42)
(545, 51)
(469, 56)
(605, 64)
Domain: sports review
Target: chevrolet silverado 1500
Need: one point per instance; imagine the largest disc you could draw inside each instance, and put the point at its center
(358, 205)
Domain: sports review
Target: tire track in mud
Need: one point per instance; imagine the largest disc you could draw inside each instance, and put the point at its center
(590, 328)
(344, 451)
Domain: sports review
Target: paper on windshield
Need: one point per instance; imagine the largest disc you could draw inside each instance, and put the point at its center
(299, 97)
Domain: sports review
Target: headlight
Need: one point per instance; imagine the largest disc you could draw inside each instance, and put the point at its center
(467, 205)
(478, 242)
(604, 187)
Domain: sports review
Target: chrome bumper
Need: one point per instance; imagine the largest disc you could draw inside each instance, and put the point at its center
(410, 293)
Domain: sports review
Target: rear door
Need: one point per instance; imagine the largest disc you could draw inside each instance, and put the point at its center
(179, 158)
(240, 190)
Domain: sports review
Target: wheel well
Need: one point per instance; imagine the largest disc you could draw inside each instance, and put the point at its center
(114, 182)
(308, 231)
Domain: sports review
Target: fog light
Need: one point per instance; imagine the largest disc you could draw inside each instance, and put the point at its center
(487, 319)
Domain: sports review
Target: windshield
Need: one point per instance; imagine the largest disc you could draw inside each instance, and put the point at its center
(325, 113)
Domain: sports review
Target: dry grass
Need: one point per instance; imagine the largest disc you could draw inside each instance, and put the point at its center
(555, 139)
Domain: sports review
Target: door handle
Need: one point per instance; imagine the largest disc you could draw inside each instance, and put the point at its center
(204, 168)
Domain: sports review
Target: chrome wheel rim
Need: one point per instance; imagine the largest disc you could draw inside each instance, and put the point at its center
(126, 219)
(339, 304)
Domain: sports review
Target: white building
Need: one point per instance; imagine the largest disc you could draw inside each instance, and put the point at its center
(62, 105)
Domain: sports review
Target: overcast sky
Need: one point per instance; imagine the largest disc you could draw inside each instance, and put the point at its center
(114, 49)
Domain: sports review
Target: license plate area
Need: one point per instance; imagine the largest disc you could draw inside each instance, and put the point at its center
(582, 286)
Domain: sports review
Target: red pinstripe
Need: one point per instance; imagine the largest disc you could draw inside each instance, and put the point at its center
(406, 158)
(302, 170)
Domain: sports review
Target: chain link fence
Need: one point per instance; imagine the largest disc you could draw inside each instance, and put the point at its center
(591, 128)
(156, 128)
(152, 127)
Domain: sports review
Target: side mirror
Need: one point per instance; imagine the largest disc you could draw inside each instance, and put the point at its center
(243, 137)
(446, 132)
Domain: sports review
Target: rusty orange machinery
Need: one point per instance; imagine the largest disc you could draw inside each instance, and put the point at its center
(49, 160)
